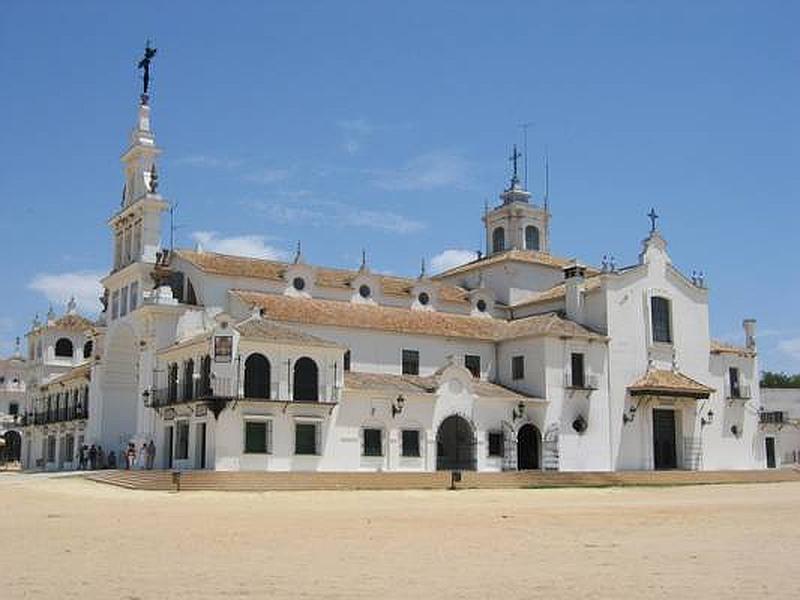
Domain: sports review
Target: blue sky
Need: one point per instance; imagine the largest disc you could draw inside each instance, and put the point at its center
(388, 125)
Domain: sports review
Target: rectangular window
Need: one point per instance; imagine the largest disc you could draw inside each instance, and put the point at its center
(182, 440)
(115, 305)
(69, 447)
(410, 443)
(51, 448)
(495, 443)
(305, 438)
(662, 328)
(733, 377)
(13, 409)
(257, 437)
(578, 374)
(518, 367)
(123, 302)
(134, 295)
(472, 362)
(347, 360)
(223, 348)
(373, 442)
(137, 240)
(410, 362)
(118, 250)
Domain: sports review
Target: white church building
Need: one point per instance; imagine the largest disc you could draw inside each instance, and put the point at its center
(517, 360)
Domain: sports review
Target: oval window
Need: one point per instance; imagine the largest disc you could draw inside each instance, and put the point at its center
(364, 291)
(299, 284)
(481, 305)
(424, 298)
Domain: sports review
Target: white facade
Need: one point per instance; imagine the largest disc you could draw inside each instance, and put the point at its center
(519, 360)
(780, 424)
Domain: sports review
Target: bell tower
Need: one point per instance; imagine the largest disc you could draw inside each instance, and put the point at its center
(516, 223)
(136, 227)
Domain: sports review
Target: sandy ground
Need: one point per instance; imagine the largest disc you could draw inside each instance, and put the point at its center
(70, 538)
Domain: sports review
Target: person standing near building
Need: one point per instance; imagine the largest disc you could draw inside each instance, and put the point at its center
(92, 457)
(130, 456)
(141, 462)
(82, 458)
(151, 455)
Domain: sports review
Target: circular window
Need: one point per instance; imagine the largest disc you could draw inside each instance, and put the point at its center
(364, 291)
(299, 284)
(424, 298)
(481, 305)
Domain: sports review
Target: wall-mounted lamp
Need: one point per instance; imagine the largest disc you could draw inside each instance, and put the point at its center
(518, 412)
(146, 398)
(397, 406)
(579, 424)
(708, 419)
(736, 431)
(630, 415)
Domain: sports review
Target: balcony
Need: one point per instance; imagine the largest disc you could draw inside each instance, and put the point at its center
(581, 382)
(738, 392)
(61, 415)
(771, 417)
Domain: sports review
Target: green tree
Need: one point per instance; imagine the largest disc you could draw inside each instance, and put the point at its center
(771, 379)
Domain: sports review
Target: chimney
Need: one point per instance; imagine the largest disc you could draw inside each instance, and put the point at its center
(750, 333)
(574, 276)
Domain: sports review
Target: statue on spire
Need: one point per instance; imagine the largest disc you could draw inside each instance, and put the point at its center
(144, 64)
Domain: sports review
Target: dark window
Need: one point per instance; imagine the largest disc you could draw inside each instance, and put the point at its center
(518, 367)
(306, 386)
(347, 360)
(299, 284)
(495, 443)
(410, 362)
(87, 349)
(205, 377)
(257, 374)
(172, 382)
(481, 305)
(410, 443)
(191, 295)
(578, 378)
(188, 379)
(364, 291)
(64, 348)
(531, 238)
(424, 298)
(373, 442)
(223, 348)
(176, 284)
(733, 376)
(255, 437)
(472, 362)
(498, 240)
(662, 330)
(182, 440)
(13, 409)
(305, 438)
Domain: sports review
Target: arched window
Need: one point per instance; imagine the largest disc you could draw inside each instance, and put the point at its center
(498, 240)
(205, 377)
(306, 380)
(531, 238)
(87, 349)
(188, 379)
(256, 376)
(64, 348)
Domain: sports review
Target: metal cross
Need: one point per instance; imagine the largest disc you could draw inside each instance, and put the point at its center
(653, 217)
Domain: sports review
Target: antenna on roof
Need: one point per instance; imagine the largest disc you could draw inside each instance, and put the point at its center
(525, 149)
(172, 227)
(546, 180)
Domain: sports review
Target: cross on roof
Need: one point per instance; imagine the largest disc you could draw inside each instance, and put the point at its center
(514, 158)
(653, 217)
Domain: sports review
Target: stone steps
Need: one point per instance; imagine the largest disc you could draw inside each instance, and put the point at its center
(259, 481)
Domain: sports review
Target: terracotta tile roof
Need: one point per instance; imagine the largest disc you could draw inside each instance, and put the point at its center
(186, 343)
(718, 347)
(81, 371)
(71, 322)
(526, 256)
(558, 292)
(239, 266)
(403, 320)
(660, 382)
(416, 384)
(262, 329)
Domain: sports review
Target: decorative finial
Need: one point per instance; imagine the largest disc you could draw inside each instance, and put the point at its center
(51, 314)
(653, 217)
(422, 270)
(363, 266)
(153, 179)
(144, 64)
(36, 321)
(605, 264)
(17, 347)
(71, 306)
(298, 253)
(124, 193)
(515, 156)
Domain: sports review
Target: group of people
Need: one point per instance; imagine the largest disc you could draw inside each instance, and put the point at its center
(93, 457)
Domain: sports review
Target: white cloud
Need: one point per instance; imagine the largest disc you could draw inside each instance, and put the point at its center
(253, 246)
(60, 287)
(326, 213)
(426, 172)
(355, 132)
(208, 162)
(451, 258)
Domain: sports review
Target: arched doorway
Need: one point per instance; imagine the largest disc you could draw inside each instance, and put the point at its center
(528, 442)
(256, 376)
(305, 387)
(12, 450)
(455, 445)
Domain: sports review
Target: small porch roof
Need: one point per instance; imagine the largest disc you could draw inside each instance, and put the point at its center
(661, 382)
